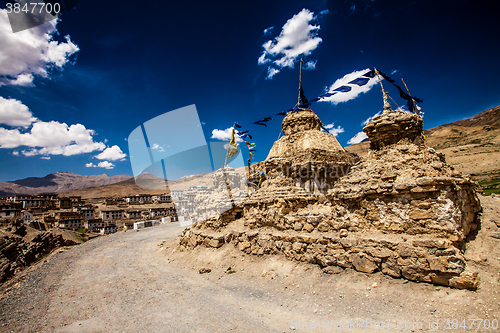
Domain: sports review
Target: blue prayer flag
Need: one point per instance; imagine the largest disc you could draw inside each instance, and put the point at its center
(343, 89)
(360, 81)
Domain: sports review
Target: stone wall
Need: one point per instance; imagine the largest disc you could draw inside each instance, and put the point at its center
(417, 259)
(415, 208)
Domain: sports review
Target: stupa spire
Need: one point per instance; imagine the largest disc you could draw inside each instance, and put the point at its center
(387, 106)
(302, 100)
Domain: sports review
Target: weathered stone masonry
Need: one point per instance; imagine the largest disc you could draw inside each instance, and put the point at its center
(400, 210)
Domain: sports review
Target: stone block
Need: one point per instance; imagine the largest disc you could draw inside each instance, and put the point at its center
(323, 227)
(391, 268)
(437, 243)
(242, 246)
(216, 242)
(379, 252)
(363, 263)
(466, 280)
(308, 227)
(421, 214)
(327, 261)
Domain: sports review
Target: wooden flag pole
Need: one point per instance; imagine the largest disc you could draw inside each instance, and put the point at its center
(227, 152)
(299, 101)
(387, 106)
(408, 90)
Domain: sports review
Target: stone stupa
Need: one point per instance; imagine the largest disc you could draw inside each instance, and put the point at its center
(400, 210)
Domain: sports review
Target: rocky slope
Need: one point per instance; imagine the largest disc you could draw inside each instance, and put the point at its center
(20, 246)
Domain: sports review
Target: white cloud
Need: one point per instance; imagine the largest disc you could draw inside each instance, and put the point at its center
(310, 65)
(355, 89)
(158, 147)
(225, 135)
(334, 130)
(297, 38)
(268, 30)
(24, 80)
(271, 72)
(45, 157)
(103, 164)
(24, 55)
(53, 138)
(106, 165)
(357, 138)
(31, 52)
(323, 12)
(364, 123)
(15, 113)
(112, 153)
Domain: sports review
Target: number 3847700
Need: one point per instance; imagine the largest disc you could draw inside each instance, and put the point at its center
(33, 8)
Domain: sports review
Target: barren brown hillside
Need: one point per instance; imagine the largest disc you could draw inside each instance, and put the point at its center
(56, 182)
(150, 184)
(154, 185)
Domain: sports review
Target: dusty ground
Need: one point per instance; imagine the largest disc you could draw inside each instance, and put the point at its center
(141, 282)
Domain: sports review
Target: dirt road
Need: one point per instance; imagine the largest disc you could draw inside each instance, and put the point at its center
(128, 282)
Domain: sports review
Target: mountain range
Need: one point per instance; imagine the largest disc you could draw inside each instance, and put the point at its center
(56, 182)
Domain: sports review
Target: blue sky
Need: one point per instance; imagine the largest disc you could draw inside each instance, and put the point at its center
(72, 92)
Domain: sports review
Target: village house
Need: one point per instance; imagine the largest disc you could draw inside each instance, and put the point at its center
(88, 212)
(63, 203)
(112, 214)
(108, 229)
(26, 201)
(93, 225)
(139, 199)
(110, 201)
(128, 225)
(179, 203)
(26, 216)
(49, 204)
(190, 195)
(70, 224)
(48, 200)
(68, 220)
(162, 198)
(159, 211)
(18, 197)
(8, 211)
(76, 201)
(188, 209)
(47, 196)
(133, 214)
(177, 193)
(47, 219)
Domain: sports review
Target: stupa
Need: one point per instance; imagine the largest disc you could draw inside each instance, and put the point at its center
(313, 159)
(400, 210)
